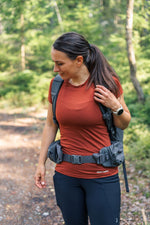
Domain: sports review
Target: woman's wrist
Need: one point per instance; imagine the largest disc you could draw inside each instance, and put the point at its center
(119, 111)
(42, 161)
(115, 107)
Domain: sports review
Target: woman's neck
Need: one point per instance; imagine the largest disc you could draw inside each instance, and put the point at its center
(80, 78)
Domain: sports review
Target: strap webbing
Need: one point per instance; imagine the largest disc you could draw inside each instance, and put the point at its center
(56, 85)
(125, 176)
(80, 159)
(115, 134)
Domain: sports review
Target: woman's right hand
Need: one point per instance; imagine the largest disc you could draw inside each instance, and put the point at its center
(48, 136)
(40, 176)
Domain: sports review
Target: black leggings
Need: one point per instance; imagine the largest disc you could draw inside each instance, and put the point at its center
(97, 198)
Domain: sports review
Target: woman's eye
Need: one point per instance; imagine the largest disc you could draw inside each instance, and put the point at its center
(59, 64)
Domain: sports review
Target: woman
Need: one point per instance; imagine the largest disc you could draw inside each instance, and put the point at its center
(88, 189)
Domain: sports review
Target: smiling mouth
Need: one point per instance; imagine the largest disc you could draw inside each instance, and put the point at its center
(61, 74)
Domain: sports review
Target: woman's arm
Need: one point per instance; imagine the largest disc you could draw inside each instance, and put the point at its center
(108, 99)
(49, 134)
(122, 121)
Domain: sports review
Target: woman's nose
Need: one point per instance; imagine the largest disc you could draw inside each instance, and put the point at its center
(56, 68)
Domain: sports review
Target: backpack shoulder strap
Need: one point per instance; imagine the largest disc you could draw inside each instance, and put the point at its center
(56, 85)
(115, 133)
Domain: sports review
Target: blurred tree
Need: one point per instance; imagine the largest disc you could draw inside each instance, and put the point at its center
(13, 25)
(23, 60)
(58, 15)
(100, 21)
(130, 49)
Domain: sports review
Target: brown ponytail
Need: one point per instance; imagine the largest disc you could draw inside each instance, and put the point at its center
(100, 70)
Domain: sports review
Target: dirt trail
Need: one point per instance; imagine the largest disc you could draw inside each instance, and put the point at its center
(21, 203)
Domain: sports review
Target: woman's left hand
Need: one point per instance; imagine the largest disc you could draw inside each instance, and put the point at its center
(106, 97)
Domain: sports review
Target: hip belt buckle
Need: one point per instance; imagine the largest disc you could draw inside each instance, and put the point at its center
(100, 158)
(76, 159)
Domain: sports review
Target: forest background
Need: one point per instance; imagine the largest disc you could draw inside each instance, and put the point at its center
(29, 27)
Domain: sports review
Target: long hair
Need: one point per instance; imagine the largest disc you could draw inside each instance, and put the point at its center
(74, 44)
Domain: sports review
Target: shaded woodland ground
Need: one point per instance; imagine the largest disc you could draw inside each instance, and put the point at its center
(21, 203)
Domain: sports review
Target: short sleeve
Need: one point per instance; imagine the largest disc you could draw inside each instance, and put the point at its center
(49, 92)
(120, 89)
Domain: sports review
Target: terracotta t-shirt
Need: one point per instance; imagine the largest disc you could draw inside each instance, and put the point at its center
(82, 128)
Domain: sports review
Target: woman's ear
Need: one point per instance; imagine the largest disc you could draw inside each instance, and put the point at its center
(79, 60)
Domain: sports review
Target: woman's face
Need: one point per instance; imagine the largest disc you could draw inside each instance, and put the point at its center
(66, 67)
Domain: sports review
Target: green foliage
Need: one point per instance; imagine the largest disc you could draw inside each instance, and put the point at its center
(5, 62)
(136, 138)
(137, 146)
(25, 88)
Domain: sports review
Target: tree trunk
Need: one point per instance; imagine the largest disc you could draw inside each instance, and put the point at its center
(106, 3)
(1, 27)
(130, 50)
(58, 16)
(23, 64)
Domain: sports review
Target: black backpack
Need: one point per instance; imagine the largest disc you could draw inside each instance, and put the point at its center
(116, 134)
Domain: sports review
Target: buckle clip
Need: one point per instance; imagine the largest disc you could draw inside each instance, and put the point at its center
(100, 158)
(76, 159)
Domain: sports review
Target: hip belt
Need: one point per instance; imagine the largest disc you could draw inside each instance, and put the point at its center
(110, 156)
(79, 159)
